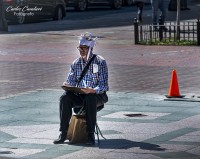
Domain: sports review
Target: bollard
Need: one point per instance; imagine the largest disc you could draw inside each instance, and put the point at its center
(136, 31)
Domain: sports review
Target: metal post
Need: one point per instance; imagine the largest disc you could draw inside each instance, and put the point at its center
(141, 35)
(178, 21)
(198, 32)
(161, 28)
(136, 31)
(150, 33)
(3, 22)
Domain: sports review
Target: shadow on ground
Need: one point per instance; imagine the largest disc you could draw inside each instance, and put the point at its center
(126, 144)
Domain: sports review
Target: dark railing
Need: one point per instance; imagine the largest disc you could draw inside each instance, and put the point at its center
(148, 34)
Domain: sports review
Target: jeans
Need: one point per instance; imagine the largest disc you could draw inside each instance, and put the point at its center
(140, 6)
(156, 6)
(89, 101)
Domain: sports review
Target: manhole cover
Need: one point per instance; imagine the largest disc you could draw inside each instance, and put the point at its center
(135, 115)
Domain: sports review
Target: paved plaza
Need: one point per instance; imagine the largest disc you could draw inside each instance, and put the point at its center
(159, 130)
(138, 121)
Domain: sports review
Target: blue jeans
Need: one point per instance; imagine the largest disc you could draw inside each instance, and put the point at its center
(140, 6)
(156, 6)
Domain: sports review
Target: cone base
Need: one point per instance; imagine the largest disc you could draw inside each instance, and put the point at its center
(174, 96)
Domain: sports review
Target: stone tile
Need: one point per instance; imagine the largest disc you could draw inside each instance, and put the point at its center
(170, 135)
(114, 155)
(188, 138)
(31, 141)
(191, 121)
(95, 153)
(135, 130)
(176, 155)
(29, 131)
(18, 153)
(5, 136)
(149, 148)
(195, 133)
(14, 145)
(195, 151)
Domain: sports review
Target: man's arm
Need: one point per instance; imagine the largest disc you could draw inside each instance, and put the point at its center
(71, 79)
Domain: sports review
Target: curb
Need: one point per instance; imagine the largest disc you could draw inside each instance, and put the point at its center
(191, 99)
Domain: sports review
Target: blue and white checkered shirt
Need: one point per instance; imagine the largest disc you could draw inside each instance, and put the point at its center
(96, 77)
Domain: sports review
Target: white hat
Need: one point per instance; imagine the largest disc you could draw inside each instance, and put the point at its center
(86, 39)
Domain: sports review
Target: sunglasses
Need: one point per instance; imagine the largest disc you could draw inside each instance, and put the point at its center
(82, 48)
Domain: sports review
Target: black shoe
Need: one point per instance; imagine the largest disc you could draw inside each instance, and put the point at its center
(139, 20)
(61, 139)
(91, 139)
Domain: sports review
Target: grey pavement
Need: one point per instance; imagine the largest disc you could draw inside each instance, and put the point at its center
(166, 129)
(33, 65)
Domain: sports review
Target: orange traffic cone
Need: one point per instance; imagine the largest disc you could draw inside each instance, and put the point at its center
(174, 89)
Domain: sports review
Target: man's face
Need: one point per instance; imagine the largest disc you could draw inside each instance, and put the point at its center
(83, 49)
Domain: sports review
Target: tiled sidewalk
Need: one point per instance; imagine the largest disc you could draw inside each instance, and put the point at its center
(167, 129)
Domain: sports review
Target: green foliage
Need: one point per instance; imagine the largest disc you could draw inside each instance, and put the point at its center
(169, 42)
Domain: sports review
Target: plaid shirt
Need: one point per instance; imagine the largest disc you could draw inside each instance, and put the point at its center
(97, 80)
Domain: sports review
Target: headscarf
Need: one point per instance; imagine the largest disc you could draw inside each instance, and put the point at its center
(88, 40)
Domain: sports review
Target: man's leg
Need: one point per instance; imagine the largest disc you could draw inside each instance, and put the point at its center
(67, 102)
(154, 5)
(140, 9)
(162, 7)
(91, 102)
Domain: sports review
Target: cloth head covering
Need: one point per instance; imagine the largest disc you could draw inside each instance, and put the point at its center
(87, 40)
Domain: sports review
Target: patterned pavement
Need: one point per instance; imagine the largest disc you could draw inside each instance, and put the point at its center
(166, 129)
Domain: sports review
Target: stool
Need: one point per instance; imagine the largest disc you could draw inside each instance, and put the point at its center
(81, 111)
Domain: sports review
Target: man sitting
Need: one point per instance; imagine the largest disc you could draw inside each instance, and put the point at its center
(95, 84)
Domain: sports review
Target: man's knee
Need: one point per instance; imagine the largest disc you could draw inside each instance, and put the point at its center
(65, 97)
(90, 98)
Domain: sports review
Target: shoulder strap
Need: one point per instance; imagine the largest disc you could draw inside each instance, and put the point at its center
(86, 68)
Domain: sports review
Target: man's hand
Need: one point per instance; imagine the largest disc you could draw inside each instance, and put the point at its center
(65, 84)
(88, 90)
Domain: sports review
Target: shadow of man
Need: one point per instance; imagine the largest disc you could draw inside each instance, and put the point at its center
(126, 144)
